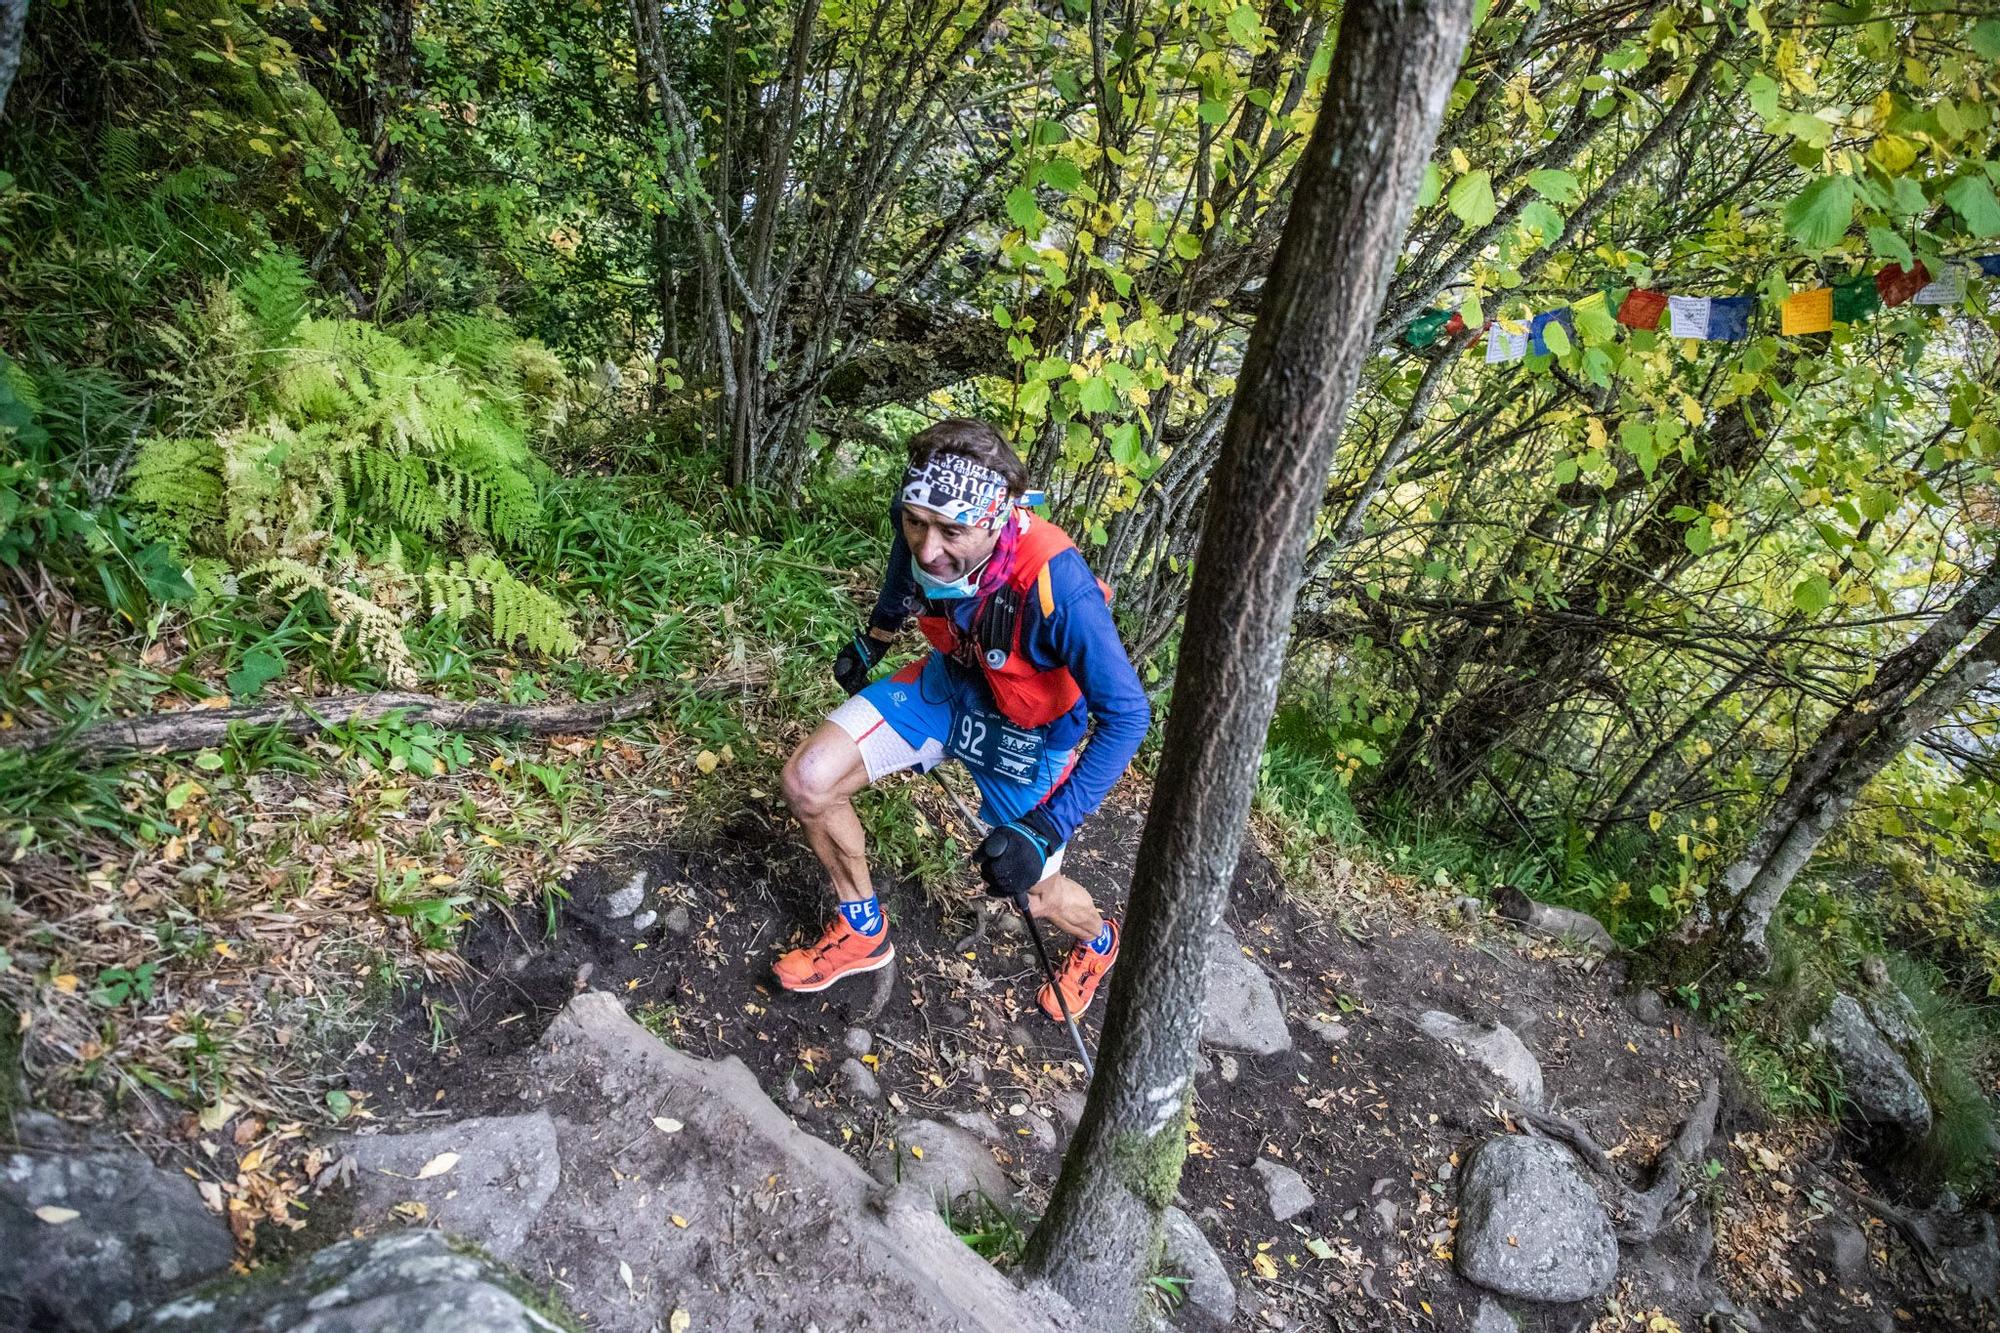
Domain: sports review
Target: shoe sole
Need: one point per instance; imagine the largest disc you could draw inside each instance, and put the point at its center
(875, 965)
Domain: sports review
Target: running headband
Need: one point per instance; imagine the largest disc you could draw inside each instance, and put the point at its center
(963, 490)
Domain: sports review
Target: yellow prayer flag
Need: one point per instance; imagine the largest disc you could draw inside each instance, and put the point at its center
(1807, 312)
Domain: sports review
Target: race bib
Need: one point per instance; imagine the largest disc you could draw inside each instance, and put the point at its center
(988, 743)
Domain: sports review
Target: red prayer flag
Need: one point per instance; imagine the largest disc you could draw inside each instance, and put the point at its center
(1456, 324)
(1642, 309)
(1898, 284)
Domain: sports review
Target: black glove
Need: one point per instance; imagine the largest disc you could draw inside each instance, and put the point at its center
(1013, 856)
(856, 660)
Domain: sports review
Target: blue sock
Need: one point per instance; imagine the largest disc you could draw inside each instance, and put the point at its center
(1105, 939)
(864, 915)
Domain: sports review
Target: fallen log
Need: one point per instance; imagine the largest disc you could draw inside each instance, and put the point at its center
(201, 728)
(1558, 923)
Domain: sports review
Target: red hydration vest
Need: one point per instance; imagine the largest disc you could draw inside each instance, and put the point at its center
(1026, 695)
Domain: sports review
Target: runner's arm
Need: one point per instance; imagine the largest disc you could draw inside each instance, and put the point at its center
(897, 601)
(1085, 639)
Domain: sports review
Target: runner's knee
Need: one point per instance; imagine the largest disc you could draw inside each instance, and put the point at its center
(812, 778)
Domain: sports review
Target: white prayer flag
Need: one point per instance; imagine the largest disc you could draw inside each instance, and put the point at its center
(1947, 287)
(1688, 316)
(1505, 344)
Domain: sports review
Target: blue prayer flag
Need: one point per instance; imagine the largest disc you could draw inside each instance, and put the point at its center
(1565, 317)
(1990, 265)
(1729, 317)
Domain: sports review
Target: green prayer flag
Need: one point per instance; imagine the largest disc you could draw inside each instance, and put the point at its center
(1425, 328)
(1855, 299)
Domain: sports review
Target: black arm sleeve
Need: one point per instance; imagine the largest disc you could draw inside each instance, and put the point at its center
(899, 598)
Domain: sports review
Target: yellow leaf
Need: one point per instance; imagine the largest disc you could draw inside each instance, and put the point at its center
(679, 1322)
(916, 1152)
(1265, 1266)
(667, 1126)
(1654, 820)
(222, 948)
(706, 761)
(66, 983)
(251, 1161)
(411, 1209)
(438, 1165)
(55, 1216)
(680, 1221)
(216, 1116)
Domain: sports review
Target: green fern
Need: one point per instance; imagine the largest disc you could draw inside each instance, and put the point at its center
(375, 631)
(275, 290)
(177, 486)
(341, 448)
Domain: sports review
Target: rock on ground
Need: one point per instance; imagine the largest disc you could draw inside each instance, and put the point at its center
(138, 1234)
(859, 1082)
(954, 1163)
(758, 1197)
(1285, 1187)
(506, 1169)
(404, 1280)
(1243, 1013)
(1531, 1226)
(1494, 1047)
(1879, 1086)
(1493, 1318)
(1185, 1252)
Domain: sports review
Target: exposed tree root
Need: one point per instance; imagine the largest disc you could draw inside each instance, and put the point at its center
(1646, 1210)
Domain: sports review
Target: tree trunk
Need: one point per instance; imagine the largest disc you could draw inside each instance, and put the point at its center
(13, 28)
(1385, 93)
(1854, 746)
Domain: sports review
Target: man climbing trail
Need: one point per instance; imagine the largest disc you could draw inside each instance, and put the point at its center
(1024, 659)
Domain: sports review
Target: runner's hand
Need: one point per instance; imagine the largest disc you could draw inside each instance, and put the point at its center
(856, 660)
(1014, 856)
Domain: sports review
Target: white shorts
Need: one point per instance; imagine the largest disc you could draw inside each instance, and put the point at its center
(884, 751)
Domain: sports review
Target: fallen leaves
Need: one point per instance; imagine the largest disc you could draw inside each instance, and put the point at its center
(438, 1165)
(55, 1215)
(667, 1125)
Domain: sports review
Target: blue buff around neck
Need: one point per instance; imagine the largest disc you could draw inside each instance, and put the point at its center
(863, 915)
(1105, 938)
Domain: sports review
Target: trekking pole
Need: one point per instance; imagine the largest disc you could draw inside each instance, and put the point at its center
(1034, 933)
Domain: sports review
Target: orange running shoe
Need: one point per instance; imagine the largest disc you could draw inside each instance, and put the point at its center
(1079, 977)
(842, 952)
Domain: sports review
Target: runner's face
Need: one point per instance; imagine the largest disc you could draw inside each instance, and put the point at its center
(947, 551)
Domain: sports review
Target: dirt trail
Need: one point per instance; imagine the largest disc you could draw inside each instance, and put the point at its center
(1376, 1116)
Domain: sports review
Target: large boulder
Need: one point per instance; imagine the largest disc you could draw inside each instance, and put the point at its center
(684, 1187)
(1185, 1252)
(1494, 1048)
(501, 1171)
(90, 1237)
(1881, 1091)
(1243, 1013)
(409, 1280)
(1531, 1226)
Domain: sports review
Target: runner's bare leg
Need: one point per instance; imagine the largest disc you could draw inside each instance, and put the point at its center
(821, 779)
